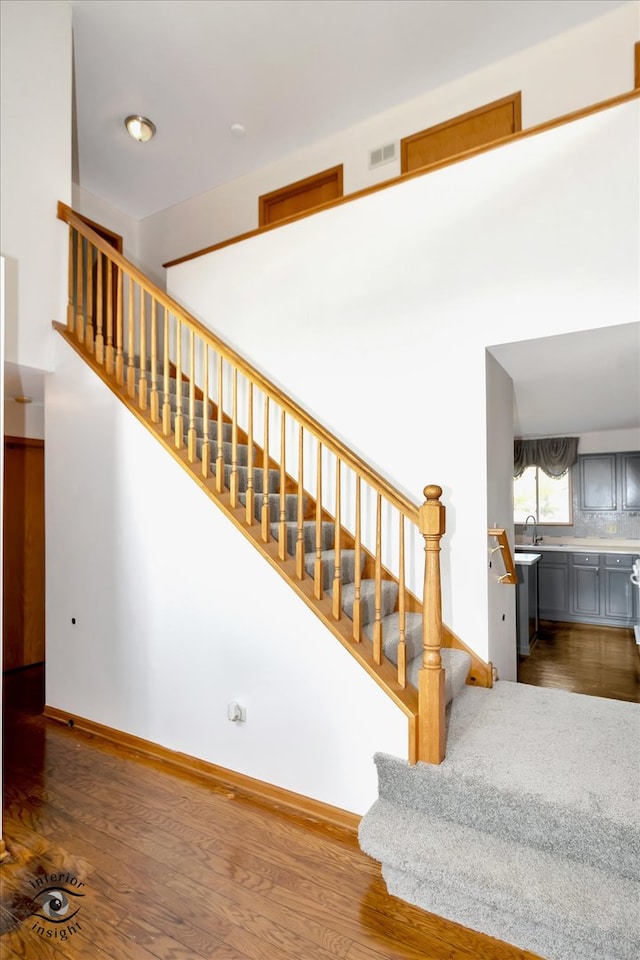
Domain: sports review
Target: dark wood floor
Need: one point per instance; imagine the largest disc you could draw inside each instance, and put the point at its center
(584, 658)
(174, 868)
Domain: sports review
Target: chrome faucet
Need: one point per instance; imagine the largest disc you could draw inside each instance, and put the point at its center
(534, 538)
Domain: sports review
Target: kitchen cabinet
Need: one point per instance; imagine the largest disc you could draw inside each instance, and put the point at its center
(609, 481)
(620, 595)
(587, 587)
(585, 583)
(630, 481)
(597, 480)
(553, 586)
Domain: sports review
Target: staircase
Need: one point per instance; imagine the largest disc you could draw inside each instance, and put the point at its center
(529, 831)
(321, 516)
(457, 663)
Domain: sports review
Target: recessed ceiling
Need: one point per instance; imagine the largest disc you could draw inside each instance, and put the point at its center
(292, 72)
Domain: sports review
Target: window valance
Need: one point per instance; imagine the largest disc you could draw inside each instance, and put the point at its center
(554, 455)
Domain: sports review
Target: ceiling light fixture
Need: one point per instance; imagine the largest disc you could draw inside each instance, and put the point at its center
(140, 128)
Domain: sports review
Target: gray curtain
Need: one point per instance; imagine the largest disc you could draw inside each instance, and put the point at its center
(554, 455)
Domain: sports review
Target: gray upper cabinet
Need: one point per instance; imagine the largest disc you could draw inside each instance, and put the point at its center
(609, 481)
(630, 481)
(597, 478)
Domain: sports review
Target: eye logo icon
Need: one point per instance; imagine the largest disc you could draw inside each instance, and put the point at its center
(57, 901)
(55, 904)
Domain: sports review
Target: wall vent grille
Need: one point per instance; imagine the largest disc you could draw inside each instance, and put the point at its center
(384, 154)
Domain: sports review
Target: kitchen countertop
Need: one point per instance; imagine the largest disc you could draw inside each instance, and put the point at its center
(579, 545)
(528, 559)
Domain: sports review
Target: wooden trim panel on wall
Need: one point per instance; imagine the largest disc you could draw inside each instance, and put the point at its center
(301, 196)
(636, 62)
(493, 121)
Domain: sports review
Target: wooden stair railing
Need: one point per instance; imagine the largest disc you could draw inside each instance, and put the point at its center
(510, 575)
(138, 343)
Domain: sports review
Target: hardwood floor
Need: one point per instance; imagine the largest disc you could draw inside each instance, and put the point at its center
(174, 868)
(584, 658)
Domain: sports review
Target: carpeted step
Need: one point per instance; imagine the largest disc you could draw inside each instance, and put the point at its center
(456, 665)
(291, 506)
(569, 780)
(258, 479)
(368, 599)
(309, 535)
(242, 452)
(537, 900)
(347, 566)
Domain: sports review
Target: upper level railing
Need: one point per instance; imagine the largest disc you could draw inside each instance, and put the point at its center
(148, 345)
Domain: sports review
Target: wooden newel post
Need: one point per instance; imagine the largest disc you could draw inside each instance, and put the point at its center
(431, 706)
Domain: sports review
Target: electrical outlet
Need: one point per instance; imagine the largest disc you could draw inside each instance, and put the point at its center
(236, 712)
(611, 528)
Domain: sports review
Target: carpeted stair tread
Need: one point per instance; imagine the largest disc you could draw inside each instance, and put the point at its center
(527, 925)
(291, 505)
(570, 780)
(368, 599)
(456, 663)
(347, 566)
(258, 479)
(309, 535)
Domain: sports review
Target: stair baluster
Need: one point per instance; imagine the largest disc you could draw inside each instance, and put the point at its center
(71, 280)
(142, 382)
(300, 547)
(79, 288)
(153, 394)
(357, 601)
(191, 432)
(282, 529)
(402, 642)
(131, 342)
(109, 354)
(99, 340)
(250, 503)
(166, 402)
(265, 515)
(318, 571)
(88, 332)
(205, 455)
(119, 330)
(219, 435)
(336, 593)
(233, 483)
(377, 627)
(179, 419)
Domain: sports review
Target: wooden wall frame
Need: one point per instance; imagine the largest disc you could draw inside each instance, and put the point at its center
(510, 111)
(300, 196)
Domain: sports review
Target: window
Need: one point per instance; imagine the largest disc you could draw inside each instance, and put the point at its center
(548, 499)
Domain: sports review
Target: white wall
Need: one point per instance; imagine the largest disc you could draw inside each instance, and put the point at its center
(376, 314)
(610, 441)
(157, 579)
(35, 168)
(578, 68)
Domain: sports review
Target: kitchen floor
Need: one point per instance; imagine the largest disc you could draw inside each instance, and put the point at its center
(584, 658)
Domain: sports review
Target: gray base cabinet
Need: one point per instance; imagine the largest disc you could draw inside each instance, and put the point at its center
(587, 588)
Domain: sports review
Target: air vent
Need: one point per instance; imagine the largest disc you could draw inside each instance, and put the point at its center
(384, 154)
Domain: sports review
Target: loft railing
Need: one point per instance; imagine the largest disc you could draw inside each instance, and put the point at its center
(141, 341)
